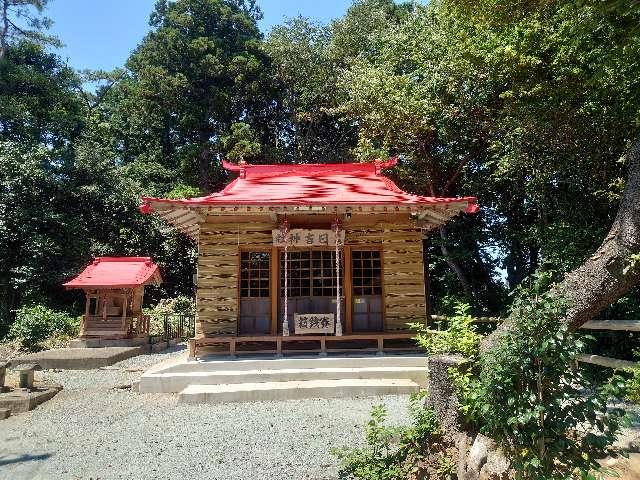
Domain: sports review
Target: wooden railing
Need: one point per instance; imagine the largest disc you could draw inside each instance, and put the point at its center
(611, 325)
(136, 325)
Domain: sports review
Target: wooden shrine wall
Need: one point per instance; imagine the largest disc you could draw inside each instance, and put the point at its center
(218, 269)
(402, 270)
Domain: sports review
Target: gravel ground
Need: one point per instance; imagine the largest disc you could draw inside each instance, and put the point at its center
(94, 430)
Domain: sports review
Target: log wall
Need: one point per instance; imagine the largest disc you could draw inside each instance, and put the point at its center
(218, 270)
(402, 270)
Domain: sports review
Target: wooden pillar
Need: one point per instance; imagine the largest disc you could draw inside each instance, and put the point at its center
(103, 299)
(124, 313)
(427, 286)
(348, 289)
(275, 289)
(87, 305)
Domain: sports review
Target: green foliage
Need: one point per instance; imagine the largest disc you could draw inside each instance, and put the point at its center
(199, 71)
(532, 398)
(36, 323)
(169, 309)
(460, 336)
(180, 305)
(241, 143)
(306, 69)
(391, 453)
(183, 191)
(633, 382)
(634, 263)
(23, 20)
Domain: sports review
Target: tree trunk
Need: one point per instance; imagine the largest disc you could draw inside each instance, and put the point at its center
(4, 32)
(455, 266)
(204, 162)
(609, 273)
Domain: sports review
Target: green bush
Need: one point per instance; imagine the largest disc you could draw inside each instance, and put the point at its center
(531, 397)
(459, 337)
(633, 383)
(180, 305)
(391, 453)
(172, 307)
(36, 323)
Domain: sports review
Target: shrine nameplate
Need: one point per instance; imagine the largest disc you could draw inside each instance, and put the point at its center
(313, 323)
(301, 237)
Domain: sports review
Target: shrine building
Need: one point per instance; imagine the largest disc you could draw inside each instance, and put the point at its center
(307, 256)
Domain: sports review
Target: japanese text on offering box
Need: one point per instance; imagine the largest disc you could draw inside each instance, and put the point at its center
(313, 323)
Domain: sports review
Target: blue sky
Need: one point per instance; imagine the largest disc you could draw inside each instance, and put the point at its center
(101, 35)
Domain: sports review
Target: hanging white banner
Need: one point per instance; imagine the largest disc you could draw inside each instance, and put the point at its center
(300, 237)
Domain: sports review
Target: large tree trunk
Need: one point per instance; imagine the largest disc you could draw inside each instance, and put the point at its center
(605, 276)
(4, 29)
(454, 265)
(204, 162)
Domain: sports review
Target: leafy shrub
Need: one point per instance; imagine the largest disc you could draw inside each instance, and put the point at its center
(184, 191)
(36, 323)
(180, 305)
(391, 452)
(460, 335)
(171, 308)
(632, 392)
(534, 401)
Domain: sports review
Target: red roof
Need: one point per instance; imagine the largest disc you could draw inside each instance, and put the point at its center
(117, 272)
(311, 184)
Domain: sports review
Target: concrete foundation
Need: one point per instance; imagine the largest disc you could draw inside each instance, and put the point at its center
(80, 358)
(19, 401)
(269, 391)
(248, 379)
(100, 342)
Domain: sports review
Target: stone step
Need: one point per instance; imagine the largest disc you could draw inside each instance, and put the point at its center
(167, 382)
(270, 363)
(267, 391)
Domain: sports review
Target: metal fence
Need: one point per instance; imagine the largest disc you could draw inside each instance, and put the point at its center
(173, 326)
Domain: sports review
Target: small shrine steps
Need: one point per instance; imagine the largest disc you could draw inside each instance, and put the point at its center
(219, 381)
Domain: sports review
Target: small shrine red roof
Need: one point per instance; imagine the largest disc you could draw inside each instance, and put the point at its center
(311, 184)
(117, 272)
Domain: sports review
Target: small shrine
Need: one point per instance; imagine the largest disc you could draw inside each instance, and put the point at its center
(114, 289)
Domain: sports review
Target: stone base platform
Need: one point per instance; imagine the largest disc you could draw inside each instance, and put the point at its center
(80, 358)
(20, 401)
(101, 342)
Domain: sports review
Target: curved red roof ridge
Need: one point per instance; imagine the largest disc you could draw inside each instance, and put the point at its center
(311, 184)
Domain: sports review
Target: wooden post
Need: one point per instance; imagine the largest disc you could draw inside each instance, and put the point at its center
(323, 345)
(87, 304)
(279, 345)
(103, 299)
(232, 347)
(348, 290)
(192, 348)
(380, 344)
(124, 314)
(275, 289)
(427, 284)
